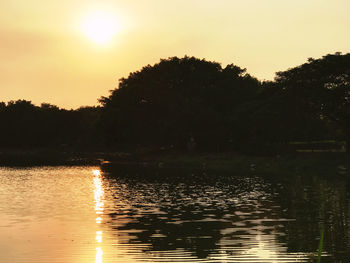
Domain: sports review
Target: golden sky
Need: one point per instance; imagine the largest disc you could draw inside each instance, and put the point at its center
(46, 56)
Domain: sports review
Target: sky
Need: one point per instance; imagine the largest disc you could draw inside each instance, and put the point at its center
(50, 51)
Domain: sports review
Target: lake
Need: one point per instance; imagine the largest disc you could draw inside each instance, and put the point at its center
(81, 214)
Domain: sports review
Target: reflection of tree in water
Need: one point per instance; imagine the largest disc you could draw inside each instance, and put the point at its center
(164, 235)
(318, 203)
(232, 216)
(179, 213)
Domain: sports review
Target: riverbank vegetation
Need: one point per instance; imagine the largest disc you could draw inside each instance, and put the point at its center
(190, 105)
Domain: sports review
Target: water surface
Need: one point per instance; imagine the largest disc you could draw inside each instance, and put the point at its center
(79, 214)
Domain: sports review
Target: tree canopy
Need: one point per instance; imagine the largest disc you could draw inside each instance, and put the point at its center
(28, 126)
(319, 90)
(176, 99)
(181, 102)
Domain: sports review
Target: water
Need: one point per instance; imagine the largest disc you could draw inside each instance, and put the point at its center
(79, 214)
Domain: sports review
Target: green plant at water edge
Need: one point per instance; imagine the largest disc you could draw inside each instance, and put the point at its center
(320, 247)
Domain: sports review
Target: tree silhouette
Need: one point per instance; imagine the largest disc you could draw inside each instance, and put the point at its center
(28, 126)
(195, 104)
(174, 100)
(320, 90)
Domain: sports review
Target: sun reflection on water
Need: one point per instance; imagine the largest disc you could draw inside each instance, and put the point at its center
(261, 250)
(99, 192)
(99, 236)
(99, 206)
(99, 254)
(96, 172)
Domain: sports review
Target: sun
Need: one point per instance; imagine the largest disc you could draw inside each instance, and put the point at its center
(101, 27)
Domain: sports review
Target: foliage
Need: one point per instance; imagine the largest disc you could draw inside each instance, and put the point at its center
(25, 125)
(176, 99)
(320, 247)
(319, 91)
(193, 103)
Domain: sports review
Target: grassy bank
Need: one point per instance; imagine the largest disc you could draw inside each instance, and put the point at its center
(315, 163)
(330, 164)
(49, 157)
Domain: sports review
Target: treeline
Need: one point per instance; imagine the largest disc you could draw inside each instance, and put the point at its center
(189, 103)
(26, 126)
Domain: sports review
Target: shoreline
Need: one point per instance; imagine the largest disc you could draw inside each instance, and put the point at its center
(329, 164)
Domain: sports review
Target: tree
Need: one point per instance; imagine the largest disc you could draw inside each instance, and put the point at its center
(174, 100)
(320, 90)
(30, 126)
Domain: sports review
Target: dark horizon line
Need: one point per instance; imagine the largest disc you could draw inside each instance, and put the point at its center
(98, 104)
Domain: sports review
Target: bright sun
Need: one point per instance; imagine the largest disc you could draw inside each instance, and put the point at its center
(101, 26)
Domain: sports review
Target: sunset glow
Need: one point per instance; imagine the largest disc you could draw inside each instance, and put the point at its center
(55, 51)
